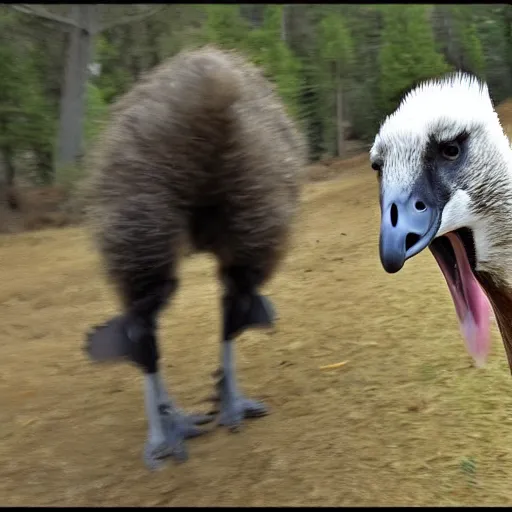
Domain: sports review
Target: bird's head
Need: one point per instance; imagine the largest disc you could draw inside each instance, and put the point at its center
(444, 167)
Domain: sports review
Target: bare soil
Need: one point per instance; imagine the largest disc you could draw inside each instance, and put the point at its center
(406, 421)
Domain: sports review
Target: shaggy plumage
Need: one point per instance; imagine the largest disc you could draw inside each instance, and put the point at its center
(199, 155)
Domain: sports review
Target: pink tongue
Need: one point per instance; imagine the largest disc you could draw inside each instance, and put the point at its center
(472, 306)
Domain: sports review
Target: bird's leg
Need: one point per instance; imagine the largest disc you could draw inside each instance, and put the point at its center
(133, 337)
(243, 308)
(168, 427)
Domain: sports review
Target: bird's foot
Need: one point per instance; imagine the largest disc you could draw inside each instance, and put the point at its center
(177, 427)
(236, 409)
(233, 407)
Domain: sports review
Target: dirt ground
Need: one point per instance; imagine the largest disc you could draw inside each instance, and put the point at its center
(407, 420)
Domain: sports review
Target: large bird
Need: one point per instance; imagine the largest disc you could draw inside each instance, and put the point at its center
(200, 155)
(444, 166)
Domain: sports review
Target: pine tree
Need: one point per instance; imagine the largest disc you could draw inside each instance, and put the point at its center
(408, 53)
(336, 51)
(269, 51)
(24, 119)
(225, 26)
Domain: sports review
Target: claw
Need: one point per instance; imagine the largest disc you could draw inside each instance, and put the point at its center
(213, 398)
(239, 408)
(177, 428)
(233, 409)
(202, 419)
(154, 455)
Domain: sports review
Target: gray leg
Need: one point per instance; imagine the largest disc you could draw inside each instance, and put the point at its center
(132, 338)
(243, 308)
(168, 427)
(233, 406)
(140, 246)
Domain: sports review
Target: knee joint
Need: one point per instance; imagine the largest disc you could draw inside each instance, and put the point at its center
(243, 311)
(143, 345)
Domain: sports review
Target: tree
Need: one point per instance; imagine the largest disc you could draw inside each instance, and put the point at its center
(338, 68)
(408, 53)
(456, 31)
(83, 22)
(268, 50)
(362, 88)
(507, 23)
(336, 51)
(225, 26)
(493, 31)
(23, 108)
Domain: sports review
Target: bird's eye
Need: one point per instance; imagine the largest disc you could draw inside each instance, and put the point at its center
(450, 150)
(376, 166)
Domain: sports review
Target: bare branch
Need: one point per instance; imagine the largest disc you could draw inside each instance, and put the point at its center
(41, 12)
(131, 18)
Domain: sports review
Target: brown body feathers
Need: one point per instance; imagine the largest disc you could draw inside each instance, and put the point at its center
(200, 153)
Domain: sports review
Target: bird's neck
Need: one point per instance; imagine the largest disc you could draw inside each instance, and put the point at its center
(498, 229)
(496, 275)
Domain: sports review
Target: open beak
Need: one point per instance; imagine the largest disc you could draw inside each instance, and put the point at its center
(455, 255)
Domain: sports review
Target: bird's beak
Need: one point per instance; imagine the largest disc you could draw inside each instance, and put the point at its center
(409, 223)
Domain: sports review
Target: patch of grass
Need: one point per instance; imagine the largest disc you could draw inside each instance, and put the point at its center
(468, 468)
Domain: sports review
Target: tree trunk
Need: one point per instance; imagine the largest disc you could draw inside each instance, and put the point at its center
(3, 171)
(253, 13)
(8, 196)
(508, 36)
(283, 24)
(153, 45)
(10, 169)
(82, 26)
(45, 170)
(339, 115)
(74, 91)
